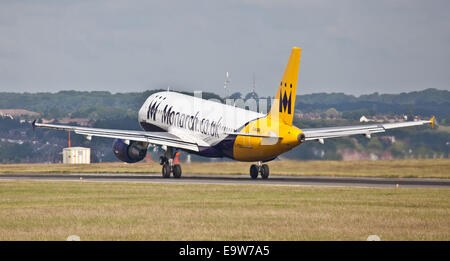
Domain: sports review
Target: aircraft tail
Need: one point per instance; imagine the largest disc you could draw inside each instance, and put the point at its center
(283, 105)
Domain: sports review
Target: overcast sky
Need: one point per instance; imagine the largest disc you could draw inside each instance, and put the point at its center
(355, 47)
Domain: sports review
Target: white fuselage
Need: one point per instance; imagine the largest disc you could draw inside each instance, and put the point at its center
(206, 121)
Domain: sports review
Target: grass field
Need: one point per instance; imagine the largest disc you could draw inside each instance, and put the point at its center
(419, 168)
(142, 211)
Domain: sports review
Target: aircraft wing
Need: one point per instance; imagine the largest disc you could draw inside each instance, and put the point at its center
(319, 134)
(158, 138)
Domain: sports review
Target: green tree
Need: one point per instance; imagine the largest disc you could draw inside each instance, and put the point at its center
(375, 144)
(235, 96)
(399, 149)
(332, 113)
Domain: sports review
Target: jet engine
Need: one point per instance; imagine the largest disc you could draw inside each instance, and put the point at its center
(301, 137)
(133, 152)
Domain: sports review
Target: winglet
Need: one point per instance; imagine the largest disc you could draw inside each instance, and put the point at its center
(432, 121)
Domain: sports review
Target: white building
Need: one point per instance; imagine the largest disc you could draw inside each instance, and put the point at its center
(363, 119)
(76, 155)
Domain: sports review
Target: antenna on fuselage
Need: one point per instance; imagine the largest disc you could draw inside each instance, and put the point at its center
(226, 84)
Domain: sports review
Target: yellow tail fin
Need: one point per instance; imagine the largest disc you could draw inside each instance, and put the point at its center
(283, 105)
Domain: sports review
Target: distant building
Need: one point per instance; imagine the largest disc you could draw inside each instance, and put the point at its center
(47, 121)
(18, 112)
(363, 119)
(308, 115)
(76, 155)
(387, 139)
(383, 118)
(79, 121)
(351, 154)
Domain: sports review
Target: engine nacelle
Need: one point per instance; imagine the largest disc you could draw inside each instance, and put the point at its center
(131, 153)
(301, 137)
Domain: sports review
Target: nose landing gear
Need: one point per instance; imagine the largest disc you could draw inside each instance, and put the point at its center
(262, 169)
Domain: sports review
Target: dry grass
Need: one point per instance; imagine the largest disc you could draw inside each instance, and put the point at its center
(137, 211)
(444, 128)
(421, 168)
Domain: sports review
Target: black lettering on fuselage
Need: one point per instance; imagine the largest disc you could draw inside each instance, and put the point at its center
(152, 109)
(182, 120)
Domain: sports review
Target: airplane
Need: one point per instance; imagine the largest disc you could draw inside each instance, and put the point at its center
(175, 121)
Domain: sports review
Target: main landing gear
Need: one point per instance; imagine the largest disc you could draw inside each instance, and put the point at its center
(169, 165)
(260, 168)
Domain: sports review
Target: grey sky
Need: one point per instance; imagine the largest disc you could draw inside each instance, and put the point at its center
(355, 47)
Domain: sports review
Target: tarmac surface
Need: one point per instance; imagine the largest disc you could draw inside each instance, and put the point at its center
(237, 179)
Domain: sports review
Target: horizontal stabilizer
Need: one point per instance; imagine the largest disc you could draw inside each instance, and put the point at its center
(318, 134)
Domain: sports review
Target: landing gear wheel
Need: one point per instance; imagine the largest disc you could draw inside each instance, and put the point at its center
(177, 171)
(166, 171)
(253, 171)
(162, 160)
(264, 171)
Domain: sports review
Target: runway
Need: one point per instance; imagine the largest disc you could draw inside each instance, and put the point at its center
(319, 181)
